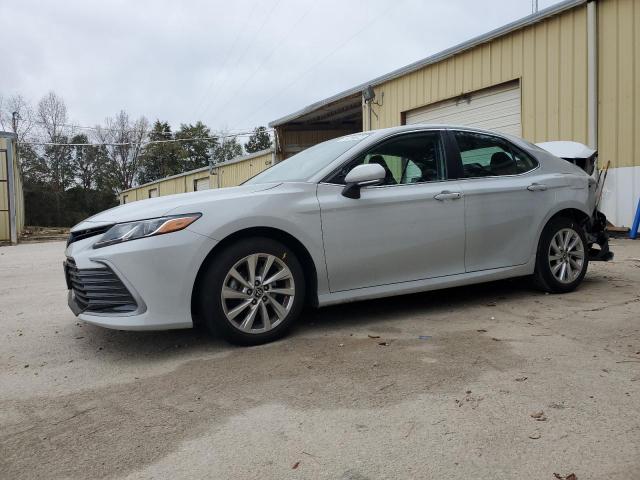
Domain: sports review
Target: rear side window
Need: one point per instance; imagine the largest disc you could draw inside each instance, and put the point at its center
(410, 158)
(487, 156)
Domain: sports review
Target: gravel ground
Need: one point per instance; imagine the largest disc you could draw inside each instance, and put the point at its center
(437, 385)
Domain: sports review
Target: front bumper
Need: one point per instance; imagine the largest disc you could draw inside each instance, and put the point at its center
(157, 272)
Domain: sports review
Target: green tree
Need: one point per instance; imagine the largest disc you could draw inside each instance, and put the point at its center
(160, 159)
(196, 153)
(227, 150)
(89, 163)
(259, 140)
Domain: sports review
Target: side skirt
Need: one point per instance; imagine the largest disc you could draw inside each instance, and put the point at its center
(416, 286)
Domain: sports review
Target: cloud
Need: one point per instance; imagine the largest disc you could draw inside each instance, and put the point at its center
(231, 64)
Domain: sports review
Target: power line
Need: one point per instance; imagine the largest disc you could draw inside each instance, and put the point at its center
(143, 143)
(284, 37)
(314, 65)
(248, 46)
(214, 81)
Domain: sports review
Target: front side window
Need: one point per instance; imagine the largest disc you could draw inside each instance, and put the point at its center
(411, 158)
(487, 156)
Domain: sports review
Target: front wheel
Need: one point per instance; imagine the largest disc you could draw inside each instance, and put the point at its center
(561, 261)
(252, 292)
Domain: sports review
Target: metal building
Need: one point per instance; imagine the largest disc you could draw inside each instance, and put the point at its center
(569, 72)
(11, 194)
(227, 174)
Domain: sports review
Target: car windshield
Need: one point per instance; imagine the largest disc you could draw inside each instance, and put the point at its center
(305, 164)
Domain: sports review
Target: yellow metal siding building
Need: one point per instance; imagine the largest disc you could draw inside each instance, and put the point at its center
(544, 61)
(11, 194)
(227, 174)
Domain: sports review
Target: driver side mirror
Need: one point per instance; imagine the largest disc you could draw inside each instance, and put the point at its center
(362, 176)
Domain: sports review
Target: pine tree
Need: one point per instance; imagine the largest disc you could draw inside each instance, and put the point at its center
(259, 140)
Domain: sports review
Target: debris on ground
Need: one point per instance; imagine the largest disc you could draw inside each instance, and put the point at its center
(295, 465)
(425, 337)
(491, 304)
(521, 379)
(481, 330)
(383, 344)
(373, 336)
(571, 476)
(539, 416)
(534, 435)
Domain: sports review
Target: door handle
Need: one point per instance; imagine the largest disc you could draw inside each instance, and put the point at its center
(537, 187)
(447, 195)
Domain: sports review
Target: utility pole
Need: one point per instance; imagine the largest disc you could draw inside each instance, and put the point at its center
(14, 122)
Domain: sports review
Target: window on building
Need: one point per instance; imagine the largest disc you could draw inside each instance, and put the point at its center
(153, 192)
(487, 156)
(201, 184)
(411, 158)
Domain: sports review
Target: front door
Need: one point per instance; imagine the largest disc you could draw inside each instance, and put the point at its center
(409, 228)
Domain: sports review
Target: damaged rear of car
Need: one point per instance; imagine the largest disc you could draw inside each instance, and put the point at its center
(595, 226)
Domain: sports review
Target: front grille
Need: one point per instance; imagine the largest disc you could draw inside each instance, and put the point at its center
(98, 289)
(86, 233)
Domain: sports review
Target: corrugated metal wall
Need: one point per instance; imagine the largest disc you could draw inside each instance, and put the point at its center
(619, 105)
(230, 174)
(619, 81)
(10, 147)
(4, 194)
(549, 58)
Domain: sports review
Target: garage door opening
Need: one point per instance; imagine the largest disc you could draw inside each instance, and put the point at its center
(495, 108)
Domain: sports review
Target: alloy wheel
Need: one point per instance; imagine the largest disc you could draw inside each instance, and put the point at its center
(566, 255)
(258, 293)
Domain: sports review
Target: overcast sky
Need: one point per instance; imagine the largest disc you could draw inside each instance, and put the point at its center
(233, 64)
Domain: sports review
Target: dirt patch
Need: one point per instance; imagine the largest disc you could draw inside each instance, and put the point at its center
(110, 431)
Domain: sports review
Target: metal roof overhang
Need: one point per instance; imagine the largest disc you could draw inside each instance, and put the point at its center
(329, 104)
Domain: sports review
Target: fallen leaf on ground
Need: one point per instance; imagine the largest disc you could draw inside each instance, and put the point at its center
(295, 465)
(373, 336)
(481, 330)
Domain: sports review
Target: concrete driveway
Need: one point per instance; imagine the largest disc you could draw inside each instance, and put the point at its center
(438, 385)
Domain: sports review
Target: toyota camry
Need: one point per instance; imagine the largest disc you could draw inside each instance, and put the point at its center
(368, 215)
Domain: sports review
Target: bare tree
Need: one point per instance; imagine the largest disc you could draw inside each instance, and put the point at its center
(123, 141)
(52, 116)
(16, 107)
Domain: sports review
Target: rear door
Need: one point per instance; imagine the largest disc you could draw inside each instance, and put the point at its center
(410, 228)
(505, 200)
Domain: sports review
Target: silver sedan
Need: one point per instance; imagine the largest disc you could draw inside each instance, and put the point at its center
(368, 215)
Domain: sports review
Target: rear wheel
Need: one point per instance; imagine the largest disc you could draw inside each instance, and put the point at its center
(252, 292)
(561, 261)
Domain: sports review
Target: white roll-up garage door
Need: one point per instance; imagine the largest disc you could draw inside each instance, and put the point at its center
(495, 108)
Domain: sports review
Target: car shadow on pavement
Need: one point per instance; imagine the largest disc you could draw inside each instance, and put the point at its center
(378, 314)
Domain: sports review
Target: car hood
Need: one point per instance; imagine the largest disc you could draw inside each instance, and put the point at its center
(160, 206)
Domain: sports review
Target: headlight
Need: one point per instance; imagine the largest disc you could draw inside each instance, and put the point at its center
(123, 232)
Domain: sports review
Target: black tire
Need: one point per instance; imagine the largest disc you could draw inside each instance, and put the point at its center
(544, 277)
(212, 310)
